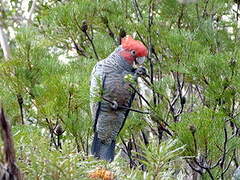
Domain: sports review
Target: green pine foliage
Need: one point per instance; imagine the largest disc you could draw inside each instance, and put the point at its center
(193, 65)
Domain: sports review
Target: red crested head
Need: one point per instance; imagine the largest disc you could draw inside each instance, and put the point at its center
(132, 49)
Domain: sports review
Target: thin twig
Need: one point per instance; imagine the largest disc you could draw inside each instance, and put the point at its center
(224, 150)
(205, 9)
(206, 168)
(180, 16)
(137, 10)
(180, 87)
(88, 37)
(197, 10)
(93, 46)
(193, 168)
(141, 96)
(20, 103)
(131, 162)
(229, 163)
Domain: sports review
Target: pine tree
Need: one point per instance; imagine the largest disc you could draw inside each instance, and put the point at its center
(192, 87)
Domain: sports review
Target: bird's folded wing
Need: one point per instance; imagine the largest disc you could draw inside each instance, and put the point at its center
(96, 84)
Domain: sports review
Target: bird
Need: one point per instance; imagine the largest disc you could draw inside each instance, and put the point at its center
(111, 95)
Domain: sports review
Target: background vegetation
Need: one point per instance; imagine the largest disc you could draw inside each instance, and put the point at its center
(192, 93)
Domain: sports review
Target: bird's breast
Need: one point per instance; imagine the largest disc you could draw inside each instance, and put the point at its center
(117, 89)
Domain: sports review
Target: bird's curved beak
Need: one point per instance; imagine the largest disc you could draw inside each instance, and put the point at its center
(140, 60)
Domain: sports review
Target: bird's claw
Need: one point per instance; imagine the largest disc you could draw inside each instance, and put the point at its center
(141, 71)
(114, 105)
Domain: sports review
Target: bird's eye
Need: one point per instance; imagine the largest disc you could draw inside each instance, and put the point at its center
(133, 52)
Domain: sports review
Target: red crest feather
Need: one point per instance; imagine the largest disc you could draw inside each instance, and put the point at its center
(129, 43)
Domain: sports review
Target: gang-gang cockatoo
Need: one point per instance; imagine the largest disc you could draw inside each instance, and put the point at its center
(108, 83)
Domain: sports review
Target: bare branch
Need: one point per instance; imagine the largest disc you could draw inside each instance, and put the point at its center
(180, 16)
(204, 167)
(9, 151)
(30, 13)
(4, 43)
(193, 168)
(141, 96)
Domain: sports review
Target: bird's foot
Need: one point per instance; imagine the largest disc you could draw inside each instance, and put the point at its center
(141, 71)
(114, 105)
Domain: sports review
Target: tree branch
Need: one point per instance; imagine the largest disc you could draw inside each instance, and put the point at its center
(206, 168)
(4, 44)
(12, 171)
(30, 13)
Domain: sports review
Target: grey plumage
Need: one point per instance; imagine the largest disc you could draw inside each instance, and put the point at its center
(107, 80)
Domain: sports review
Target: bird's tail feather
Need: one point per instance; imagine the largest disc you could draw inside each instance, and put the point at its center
(103, 151)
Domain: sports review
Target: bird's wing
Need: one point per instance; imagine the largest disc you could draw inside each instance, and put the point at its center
(127, 111)
(96, 87)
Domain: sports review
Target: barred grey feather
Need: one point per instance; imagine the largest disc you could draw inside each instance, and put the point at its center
(114, 68)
